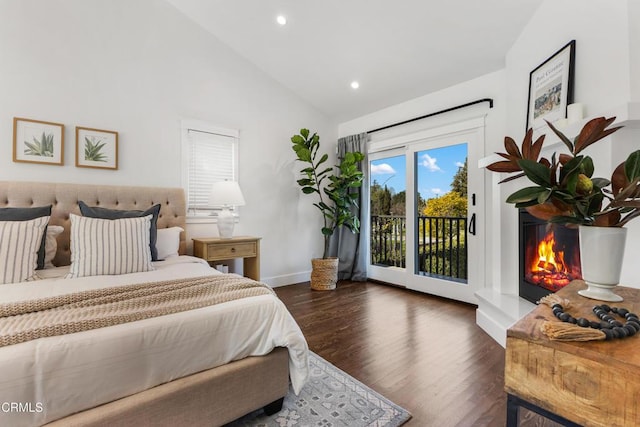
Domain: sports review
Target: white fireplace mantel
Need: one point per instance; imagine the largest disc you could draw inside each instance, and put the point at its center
(499, 305)
(627, 115)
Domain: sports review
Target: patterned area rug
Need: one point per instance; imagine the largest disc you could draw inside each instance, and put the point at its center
(331, 398)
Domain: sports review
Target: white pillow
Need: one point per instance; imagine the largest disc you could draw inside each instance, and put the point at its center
(51, 245)
(19, 245)
(109, 246)
(168, 242)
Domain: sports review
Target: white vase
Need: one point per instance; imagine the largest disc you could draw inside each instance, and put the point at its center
(601, 255)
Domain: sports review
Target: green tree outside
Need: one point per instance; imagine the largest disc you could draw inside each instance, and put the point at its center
(398, 204)
(459, 181)
(380, 199)
(451, 204)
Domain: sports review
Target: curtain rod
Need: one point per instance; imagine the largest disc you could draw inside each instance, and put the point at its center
(468, 104)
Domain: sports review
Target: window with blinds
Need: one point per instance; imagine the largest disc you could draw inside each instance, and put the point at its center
(210, 154)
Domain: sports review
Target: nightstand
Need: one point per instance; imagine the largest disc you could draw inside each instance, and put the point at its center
(217, 249)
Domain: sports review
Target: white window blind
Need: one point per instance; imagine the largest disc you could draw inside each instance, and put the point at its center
(211, 156)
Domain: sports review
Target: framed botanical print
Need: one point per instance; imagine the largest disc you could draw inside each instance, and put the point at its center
(96, 148)
(551, 88)
(35, 141)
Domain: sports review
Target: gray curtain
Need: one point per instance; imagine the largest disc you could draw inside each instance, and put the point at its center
(349, 247)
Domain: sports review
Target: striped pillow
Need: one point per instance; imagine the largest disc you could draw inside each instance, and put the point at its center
(109, 246)
(19, 245)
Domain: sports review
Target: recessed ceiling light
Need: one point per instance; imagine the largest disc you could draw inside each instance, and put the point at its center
(355, 85)
(281, 19)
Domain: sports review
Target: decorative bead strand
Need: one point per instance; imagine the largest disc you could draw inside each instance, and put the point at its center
(609, 326)
(618, 330)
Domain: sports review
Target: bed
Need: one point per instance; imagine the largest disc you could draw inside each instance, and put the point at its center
(204, 366)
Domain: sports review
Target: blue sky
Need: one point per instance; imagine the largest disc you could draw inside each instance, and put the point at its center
(436, 168)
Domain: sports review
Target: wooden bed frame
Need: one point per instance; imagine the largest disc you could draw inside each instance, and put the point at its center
(212, 397)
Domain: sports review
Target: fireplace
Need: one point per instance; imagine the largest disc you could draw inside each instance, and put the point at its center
(549, 257)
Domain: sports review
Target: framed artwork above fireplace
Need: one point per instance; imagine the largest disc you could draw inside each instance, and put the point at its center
(551, 87)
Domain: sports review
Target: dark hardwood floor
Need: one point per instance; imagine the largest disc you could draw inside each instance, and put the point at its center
(424, 353)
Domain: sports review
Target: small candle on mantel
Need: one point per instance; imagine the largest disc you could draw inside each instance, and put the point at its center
(575, 112)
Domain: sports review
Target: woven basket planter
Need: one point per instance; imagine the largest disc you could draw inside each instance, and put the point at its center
(324, 274)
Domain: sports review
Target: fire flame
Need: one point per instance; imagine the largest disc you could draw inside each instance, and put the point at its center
(548, 260)
(546, 265)
(549, 269)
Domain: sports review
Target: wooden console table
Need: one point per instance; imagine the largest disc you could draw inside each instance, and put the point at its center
(594, 383)
(217, 249)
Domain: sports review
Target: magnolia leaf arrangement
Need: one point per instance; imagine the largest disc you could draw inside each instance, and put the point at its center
(565, 190)
(335, 198)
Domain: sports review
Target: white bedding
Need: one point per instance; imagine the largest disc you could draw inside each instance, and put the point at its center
(56, 376)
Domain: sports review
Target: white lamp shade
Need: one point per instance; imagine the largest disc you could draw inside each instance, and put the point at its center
(225, 193)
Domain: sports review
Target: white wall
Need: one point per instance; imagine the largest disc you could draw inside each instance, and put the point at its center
(138, 68)
(634, 48)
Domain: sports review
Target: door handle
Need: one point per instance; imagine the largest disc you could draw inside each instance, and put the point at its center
(472, 224)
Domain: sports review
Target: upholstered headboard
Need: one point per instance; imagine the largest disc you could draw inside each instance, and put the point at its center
(64, 199)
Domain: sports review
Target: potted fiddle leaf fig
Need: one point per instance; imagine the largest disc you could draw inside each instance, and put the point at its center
(565, 191)
(334, 198)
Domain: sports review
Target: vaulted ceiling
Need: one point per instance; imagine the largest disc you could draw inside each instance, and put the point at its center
(396, 50)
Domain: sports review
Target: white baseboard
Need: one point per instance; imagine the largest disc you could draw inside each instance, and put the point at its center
(287, 279)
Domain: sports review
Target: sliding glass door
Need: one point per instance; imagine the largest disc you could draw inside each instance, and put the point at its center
(441, 212)
(425, 204)
(387, 219)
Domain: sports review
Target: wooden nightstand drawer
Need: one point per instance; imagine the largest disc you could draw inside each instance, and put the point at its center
(214, 249)
(231, 250)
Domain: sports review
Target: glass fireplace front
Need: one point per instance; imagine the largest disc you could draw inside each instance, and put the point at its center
(549, 256)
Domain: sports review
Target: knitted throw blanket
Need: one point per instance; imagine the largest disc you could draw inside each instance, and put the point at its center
(86, 310)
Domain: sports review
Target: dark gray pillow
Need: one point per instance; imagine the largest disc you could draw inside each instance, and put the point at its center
(104, 213)
(27, 214)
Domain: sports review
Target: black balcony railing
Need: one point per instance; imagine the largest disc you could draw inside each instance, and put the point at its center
(441, 245)
(388, 237)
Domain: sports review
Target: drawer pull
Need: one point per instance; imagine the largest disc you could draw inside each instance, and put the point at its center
(233, 249)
